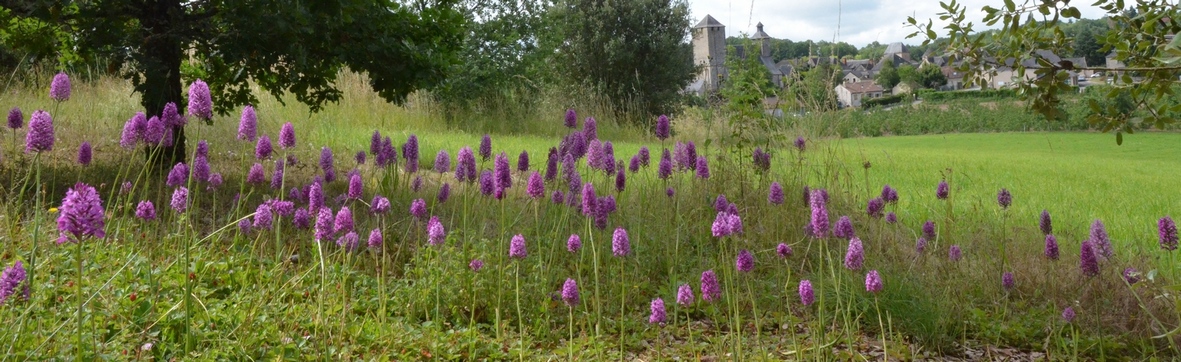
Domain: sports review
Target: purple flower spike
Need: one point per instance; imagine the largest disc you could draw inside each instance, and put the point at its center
(324, 224)
(476, 265)
(662, 128)
(721, 203)
(745, 262)
(665, 169)
(806, 294)
(670, 192)
(500, 169)
(248, 125)
(200, 103)
(807, 197)
(1051, 251)
(800, 144)
(81, 214)
(819, 215)
(644, 156)
(873, 282)
(59, 90)
(287, 136)
(444, 193)
(620, 243)
(380, 205)
(574, 243)
(343, 221)
(418, 209)
(85, 153)
(551, 165)
(1131, 275)
(783, 250)
(889, 194)
(954, 253)
(516, 248)
(875, 207)
(590, 129)
(523, 161)
(16, 119)
(761, 159)
(775, 196)
(349, 241)
(685, 295)
(1167, 230)
(145, 211)
(1068, 314)
(721, 226)
(375, 146)
(1045, 224)
(891, 217)
(256, 175)
(487, 186)
(1004, 198)
(435, 233)
(1101, 240)
(1088, 262)
(536, 188)
(620, 181)
(844, 228)
(263, 217)
(202, 148)
(942, 190)
(1007, 281)
(201, 168)
(360, 157)
(658, 315)
(929, 230)
(180, 200)
(920, 245)
(178, 176)
(315, 197)
(486, 147)
(215, 181)
(40, 135)
(702, 168)
(171, 116)
(355, 187)
(589, 200)
(263, 149)
(571, 120)
(375, 239)
(154, 131)
(327, 164)
(416, 184)
(442, 162)
(854, 255)
(711, 291)
(10, 281)
(133, 131)
(570, 292)
(634, 164)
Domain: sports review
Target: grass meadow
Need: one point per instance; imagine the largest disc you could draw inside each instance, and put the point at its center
(197, 285)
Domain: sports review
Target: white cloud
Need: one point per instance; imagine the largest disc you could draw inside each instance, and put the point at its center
(861, 21)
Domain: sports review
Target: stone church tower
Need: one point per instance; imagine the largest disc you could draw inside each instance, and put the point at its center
(709, 52)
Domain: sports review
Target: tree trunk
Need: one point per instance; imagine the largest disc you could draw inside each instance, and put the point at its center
(161, 70)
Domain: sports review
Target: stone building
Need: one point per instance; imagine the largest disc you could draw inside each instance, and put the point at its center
(709, 52)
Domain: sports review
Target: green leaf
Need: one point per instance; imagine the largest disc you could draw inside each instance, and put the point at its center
(1119, 139)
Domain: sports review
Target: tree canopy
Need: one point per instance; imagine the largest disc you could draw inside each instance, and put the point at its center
(282, 46)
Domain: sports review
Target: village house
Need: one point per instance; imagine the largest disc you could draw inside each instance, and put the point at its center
(852, 94)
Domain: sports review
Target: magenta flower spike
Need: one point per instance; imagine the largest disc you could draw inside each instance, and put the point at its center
(476, 265)
(658, 315)
(645, 156)
(81, 214)
(783, 250)
(875, 207)
(180, 200)
(263, 217)
(263, 149)
(954, 253)
(1167, 232)
(435, 232)
(40, 136)
(684, 295)
(444, 193)
(500, 169)
(702, 168)
(145, 211)
(873, 282)
(574, 243)
(171, 116)
(711, 291)
(889, 194)
(442, 162)
(844, 228)
(178, 176)
(327, 164)
(662, 127)
(589, 200)
(620, 243)
(1045, 224)
(1007, 281)
(523, 161)
(807, 296)
(16, 119)
(11, 280)
(1101, 240)
(571, 120)
(375, 239)
(854, 255)
(349, 241)
(1088, 262)
(486, 147)
(277, 176)
(745, 262)
(287, 136)
(819, 214)
(256, 175)
(248, 125)
(59, 90)
(891, 218)
(942, 191)
(1131, 275)
(775, 195)
(800, 144)
(1004, 198)
(929, 230)
(1051, 250)
(200, 103)
(620, 180)
(517, 247)
(536, 187)
(154, 131)
(920, 245)
(343, 221)
(85, 153)
(355, 187)
(380, 205)
(418, 209)
(590, 129)
(323, 224)
(1068, 314)
(570, 292)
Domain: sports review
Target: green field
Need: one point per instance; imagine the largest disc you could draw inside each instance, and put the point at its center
(1077, 177)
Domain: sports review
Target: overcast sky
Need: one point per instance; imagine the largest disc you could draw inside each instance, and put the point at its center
(861, 21)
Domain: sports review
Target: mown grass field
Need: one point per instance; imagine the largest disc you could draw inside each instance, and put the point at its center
(277, 293)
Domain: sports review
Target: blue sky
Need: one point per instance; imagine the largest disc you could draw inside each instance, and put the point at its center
(861, 21)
